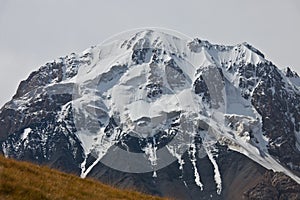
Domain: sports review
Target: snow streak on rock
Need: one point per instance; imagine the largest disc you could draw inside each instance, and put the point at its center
(192, 153)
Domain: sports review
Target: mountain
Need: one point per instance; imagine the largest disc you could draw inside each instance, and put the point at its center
(164, 113)
(22, 180)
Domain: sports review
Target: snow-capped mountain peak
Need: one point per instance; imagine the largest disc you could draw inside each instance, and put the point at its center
(143, 100)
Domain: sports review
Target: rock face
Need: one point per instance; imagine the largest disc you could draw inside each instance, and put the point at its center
(224, 116)
(274, 186)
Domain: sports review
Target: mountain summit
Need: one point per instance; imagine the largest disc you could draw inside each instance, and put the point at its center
(164, 113)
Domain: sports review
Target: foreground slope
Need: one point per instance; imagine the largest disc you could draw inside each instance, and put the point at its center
(22, 180)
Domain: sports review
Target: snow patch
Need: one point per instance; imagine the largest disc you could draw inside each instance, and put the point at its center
(217, 176)
(192, 153)
(25, 134)
(150, 152)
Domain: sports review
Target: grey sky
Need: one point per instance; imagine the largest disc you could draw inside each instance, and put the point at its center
(33, 32)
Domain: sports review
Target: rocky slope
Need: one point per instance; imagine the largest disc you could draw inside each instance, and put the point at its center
(169, 115)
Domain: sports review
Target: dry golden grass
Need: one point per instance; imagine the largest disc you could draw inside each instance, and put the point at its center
(22, 181)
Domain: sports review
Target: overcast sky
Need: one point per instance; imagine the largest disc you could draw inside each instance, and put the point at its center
(33, 32)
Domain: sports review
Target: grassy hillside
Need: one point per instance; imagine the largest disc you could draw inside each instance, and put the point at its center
(21, 180)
